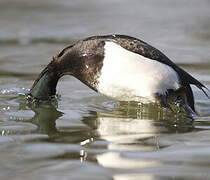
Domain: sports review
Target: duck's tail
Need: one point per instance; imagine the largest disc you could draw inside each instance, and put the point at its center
(188, 79)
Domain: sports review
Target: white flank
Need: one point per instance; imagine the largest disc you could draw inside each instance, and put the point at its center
(129, 76)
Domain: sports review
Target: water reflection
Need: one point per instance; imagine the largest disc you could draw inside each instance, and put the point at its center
(127, 122)
(127, 137)
(45, 119)
(127, 127)
(133, 142)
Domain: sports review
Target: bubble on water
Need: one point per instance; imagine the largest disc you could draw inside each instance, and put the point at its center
(6, 108)
(23, 91)
(4, 91)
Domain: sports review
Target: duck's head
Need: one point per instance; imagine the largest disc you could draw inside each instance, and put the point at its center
(44, 86)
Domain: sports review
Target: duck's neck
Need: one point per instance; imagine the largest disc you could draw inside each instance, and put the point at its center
(45, 85)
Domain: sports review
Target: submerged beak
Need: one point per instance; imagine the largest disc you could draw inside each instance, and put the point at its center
(44, 86)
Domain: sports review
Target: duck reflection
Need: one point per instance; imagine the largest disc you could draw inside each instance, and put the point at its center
(132, 118)
(45, 119)
(125, 123)
(127, 127)
(131, 127)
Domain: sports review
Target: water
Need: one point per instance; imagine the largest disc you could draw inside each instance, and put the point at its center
(86, 135)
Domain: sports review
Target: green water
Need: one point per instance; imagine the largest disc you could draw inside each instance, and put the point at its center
(86, 135)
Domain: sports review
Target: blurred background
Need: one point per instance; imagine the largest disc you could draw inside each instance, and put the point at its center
(89, 136)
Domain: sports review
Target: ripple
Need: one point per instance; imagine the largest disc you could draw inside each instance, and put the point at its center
(90, 136)
(12, 91)
(15, 128)
(36, 40)
(5, 139)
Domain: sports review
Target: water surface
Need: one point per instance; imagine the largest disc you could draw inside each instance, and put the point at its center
(86, 135)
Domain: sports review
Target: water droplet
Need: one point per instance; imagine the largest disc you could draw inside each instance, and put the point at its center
(83, 155)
